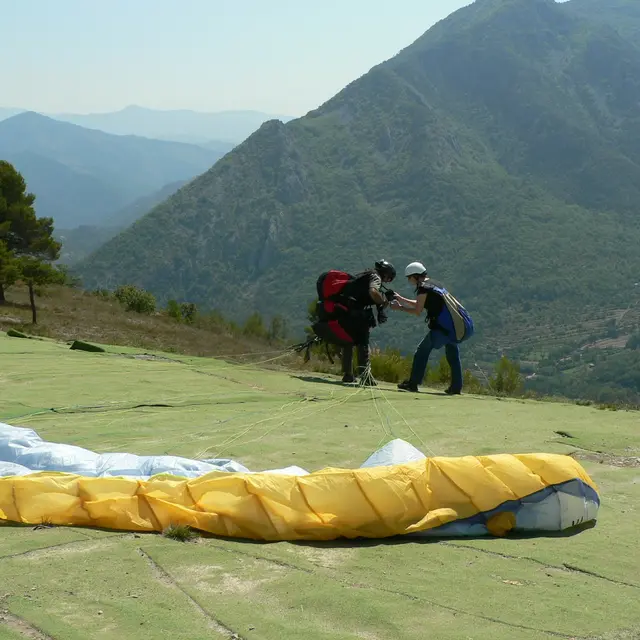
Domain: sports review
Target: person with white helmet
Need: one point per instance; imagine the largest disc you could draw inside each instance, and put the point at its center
(431, 297)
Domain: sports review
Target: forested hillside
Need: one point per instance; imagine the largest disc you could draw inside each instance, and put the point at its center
(622, 15)
(502, 148)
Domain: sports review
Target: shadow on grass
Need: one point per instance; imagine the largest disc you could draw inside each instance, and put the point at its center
(354, 385)
(340, 543)
(414, 538)
(319, 379)
(418, 538)
(8, 524)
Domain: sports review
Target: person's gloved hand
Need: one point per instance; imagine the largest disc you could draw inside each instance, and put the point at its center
(389, 294)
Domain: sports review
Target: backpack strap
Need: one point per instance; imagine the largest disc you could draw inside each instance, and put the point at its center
(306, 346)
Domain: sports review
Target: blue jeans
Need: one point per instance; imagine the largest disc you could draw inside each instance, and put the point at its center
(436, 340)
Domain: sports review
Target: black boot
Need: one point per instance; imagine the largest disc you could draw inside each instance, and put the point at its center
(347, 364)
(407, 385)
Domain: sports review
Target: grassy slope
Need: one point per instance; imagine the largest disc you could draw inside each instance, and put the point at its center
(70, 314)
(100, 584)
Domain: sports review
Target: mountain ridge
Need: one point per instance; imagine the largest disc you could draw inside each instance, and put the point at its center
(222, 128)
(532, 229)
(100, 172)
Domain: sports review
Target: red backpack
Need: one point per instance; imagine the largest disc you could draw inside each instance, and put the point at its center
(333, 301)
(330, 286)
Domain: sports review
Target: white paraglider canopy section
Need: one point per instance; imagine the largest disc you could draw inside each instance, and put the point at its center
(23, 451)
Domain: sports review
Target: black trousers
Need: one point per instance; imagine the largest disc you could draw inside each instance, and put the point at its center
(358, 325)
(347, 359)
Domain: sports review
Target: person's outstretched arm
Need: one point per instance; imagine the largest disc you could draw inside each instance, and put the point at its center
(415, 306)
(405, 301)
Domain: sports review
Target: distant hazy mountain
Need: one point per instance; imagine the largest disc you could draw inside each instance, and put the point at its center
(7, 112)
(70, 195)
(194, 127)
(135, 210)
(81, 176)
(219, 131)
(79, 242)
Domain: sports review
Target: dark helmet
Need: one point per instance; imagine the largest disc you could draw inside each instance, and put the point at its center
(385, 270)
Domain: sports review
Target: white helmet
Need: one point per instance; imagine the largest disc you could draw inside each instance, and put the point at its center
(415, 269)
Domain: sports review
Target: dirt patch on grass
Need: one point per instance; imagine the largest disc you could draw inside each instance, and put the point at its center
(326, 558)
(66, 548)
(610, 343)
(84, 617)
(608, 459)
(621, 634)
(80, 547)
(241, 586)
(214, 579)
(21, 627)
(148, 356)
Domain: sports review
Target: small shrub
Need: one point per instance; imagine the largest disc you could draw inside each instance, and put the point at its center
(135, 299)
(182, 312)
(188, 312)
(233, 328)
(390, 366)
(443, 372)
(173, 310)
(278, 329)
(254, 326)
(634, 341)
(471, 384)
(180, 532)
(507, 380)
(45, 523)
(67, 278)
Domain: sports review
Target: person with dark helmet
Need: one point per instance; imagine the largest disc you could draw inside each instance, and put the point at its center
(364, 293)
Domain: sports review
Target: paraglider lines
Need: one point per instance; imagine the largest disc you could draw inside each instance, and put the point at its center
(250, 427)
(384, 396)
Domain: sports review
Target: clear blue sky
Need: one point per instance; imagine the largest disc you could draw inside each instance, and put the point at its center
(280, 56)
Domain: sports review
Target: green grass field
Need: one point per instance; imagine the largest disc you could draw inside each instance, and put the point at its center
(72, 583)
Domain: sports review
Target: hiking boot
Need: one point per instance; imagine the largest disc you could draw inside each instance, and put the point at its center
(407, 385)
(452, 392)
(348, 377)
